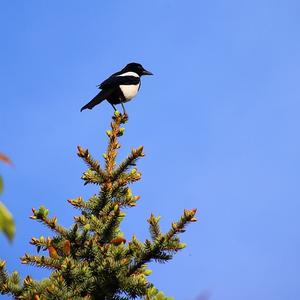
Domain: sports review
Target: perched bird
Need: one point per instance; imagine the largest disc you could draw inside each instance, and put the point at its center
(120, 87)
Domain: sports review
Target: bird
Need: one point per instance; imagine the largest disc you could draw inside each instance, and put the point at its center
(120, 87)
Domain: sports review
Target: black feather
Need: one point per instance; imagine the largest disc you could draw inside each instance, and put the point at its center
(97, 99)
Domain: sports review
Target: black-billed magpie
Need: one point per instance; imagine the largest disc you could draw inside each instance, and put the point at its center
(120, 87)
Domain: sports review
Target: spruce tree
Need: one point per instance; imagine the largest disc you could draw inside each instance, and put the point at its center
(92, 259)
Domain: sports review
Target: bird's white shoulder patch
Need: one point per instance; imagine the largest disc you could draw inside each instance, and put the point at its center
(129, 74)
(130, 90)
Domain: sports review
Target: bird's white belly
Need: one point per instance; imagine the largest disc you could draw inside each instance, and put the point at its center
(129, 91)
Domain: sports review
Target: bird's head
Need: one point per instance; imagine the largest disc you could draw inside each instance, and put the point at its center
(136, 68)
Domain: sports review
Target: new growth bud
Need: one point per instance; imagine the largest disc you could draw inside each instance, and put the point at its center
(121, 131)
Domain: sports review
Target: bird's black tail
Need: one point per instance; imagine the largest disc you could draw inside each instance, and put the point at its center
(96, 100)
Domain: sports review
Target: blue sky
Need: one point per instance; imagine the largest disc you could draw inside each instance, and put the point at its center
(219, 122)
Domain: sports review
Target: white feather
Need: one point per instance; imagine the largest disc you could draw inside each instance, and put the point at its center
(129, 91)
(129, 74)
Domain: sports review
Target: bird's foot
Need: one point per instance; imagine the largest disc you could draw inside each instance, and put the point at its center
(125, 117)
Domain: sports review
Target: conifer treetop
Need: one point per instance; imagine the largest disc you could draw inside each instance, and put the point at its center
(93, 259)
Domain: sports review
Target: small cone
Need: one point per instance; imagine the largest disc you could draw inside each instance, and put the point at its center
(52, 252)
(118, 240)
(67, 247)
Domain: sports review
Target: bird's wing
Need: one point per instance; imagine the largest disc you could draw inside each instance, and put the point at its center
(114, 81)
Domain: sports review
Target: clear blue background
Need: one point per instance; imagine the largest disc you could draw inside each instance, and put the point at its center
(219, 122)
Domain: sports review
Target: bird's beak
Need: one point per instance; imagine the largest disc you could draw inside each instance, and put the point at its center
(145, 72)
